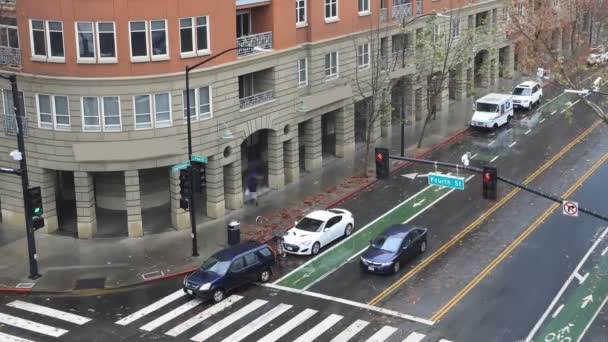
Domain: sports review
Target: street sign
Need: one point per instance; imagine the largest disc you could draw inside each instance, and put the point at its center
(200, 159)
(180, 166)
(446, 180)
(570, 208)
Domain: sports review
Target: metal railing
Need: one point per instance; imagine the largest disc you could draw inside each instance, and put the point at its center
(418, 7)
(256, 99)
(262, 40)
(410, 51)
(9, 122)
(10, 56)
(401, 11)
(383, 15)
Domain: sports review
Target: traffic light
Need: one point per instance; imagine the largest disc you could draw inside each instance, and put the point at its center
(199, 177)
(490, 182)
(382, 162)
(184, 188)
(35, 198)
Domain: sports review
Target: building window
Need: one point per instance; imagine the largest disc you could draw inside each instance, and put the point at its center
(90, 114)
(55, 38)
(96, 110)
(300, 13)
(363, 56)
(106, 40)
(158, 32)
(139, 41)
(189, 35)
(85, 41)
(363, 6)
(331, 9)
(436, 32)
(37, 37)
(47, 41)
(303, 72)
(8, 32)
(53, 112)
(111, 113)
(331, 65)
(152, 111)
(200, 103)
(455, 28)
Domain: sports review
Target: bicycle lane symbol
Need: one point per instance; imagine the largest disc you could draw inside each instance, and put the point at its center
(561, 335)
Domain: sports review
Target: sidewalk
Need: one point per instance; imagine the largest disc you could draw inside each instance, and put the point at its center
(67, 263)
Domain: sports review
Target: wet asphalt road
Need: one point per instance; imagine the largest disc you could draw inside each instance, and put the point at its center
(502, 307)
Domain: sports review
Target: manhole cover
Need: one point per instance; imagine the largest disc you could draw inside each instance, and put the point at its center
(90, 283)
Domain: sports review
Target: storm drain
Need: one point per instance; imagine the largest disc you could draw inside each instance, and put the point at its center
(90, 283)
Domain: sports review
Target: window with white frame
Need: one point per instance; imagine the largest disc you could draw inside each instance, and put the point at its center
(95, 42)
(194, 36)
(138, 37)
(301, 12)
(302, 72)
(363, 6)
(200, 103)
(160, 41)
(9, 36)
(111, 113)
(436, 32)
(106, 42)
(152, 110)
(101, 112)
(331, 9)
(85, 41)
(55, 39)
(53, 111)
(455, 28)
(363, 56)
(46, 40)
(331, 65)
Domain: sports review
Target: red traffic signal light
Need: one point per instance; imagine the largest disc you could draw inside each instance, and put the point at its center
(382, 163)
(379, 157)
(490, 182)
(487, 177)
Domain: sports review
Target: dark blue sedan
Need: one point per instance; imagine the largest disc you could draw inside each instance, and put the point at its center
(395, 246)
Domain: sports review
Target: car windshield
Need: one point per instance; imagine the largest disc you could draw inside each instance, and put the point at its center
(487, 107)
(521, 91)
(387, 243)
(309, 224)
(215, 265)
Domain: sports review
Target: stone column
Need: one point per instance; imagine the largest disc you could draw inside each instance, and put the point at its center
(216, 206)
(461, 83)
(345, 131)
(133, 202)
(180, 219)
(312, 141)
(45, 178)
(276, 173)
(493, 71)
(233, 183)
(421, 104)
(409, 99)
(291, 159)
(509, 66)
(85, 204)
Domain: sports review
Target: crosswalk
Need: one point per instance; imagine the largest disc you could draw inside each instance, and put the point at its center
(30, 326)
(238, 318)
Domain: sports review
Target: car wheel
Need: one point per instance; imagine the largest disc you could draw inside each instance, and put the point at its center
(423, 246)
(509, 117)
(218, 295)
(348, 230)
(265, 276)
(316, 247)
(396, 267)
(495, 126)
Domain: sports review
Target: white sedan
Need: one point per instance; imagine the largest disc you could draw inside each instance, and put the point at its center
(317, 230)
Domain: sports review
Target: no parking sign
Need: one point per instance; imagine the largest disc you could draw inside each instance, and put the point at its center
(570, 208)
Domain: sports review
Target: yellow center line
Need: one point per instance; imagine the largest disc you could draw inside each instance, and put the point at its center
(480, 219)
(492, 265)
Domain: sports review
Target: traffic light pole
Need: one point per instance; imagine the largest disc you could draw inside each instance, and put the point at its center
(191, 205)
(506, 180)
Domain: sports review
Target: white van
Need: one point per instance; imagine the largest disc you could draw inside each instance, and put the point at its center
(492, 111)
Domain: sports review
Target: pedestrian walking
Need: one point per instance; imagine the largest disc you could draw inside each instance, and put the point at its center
(252, 187)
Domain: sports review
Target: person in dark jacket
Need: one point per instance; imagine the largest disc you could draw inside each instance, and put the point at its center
(252, 186)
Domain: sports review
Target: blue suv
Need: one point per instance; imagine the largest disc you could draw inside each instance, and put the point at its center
(230, 268)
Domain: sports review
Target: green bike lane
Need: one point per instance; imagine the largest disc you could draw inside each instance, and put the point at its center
(333, 258)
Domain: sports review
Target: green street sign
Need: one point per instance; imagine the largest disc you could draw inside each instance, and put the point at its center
(180, 166)
(446, 180)
(200, 159)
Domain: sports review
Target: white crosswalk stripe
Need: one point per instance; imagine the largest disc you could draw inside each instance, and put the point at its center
(320, 328)
(382, 334)
(31, 325)
(46, 311)
(351, 331)
(171, 315)
(151, 308)
(288, 326)
(214, 329)
(252, 327)
(198, 318)
(414, 337)
(10, 338)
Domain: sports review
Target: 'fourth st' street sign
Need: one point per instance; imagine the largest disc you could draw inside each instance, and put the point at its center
(446, 180)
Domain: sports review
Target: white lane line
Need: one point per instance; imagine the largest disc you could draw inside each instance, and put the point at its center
(528, 131)
(575, 102)
(382, 334)
(444, 340)
(31, 325)
(414, 337)
(235, 316)
(553, 112)
(509, 130)
(493, 159)
(592, 319)
(351, 303)
(319, 329)
(288, 326)
(151, 308)
(46, 311)
(10, 338)
(351, 331)
(557, 311)
(513, 144)
(605, 251)
(259, 322)
(358, 231)
(171, 315)
(473, 156)
(491, 142)
(201, 316)
(542, 120)
(564, 287)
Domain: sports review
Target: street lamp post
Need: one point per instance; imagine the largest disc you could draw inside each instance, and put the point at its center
(189, 120)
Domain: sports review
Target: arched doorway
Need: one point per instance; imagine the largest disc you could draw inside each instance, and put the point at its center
(254, 157)
(481, 70)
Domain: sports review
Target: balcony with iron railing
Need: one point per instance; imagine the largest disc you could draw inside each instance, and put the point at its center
(260, 40)
(383, 15)
(418, 7)
(9, 123)
(401, 11)
(256, 99)
(10, 56)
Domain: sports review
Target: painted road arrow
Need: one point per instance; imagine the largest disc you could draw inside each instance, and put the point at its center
(586, 301)
(414, 175)
(419, 202)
